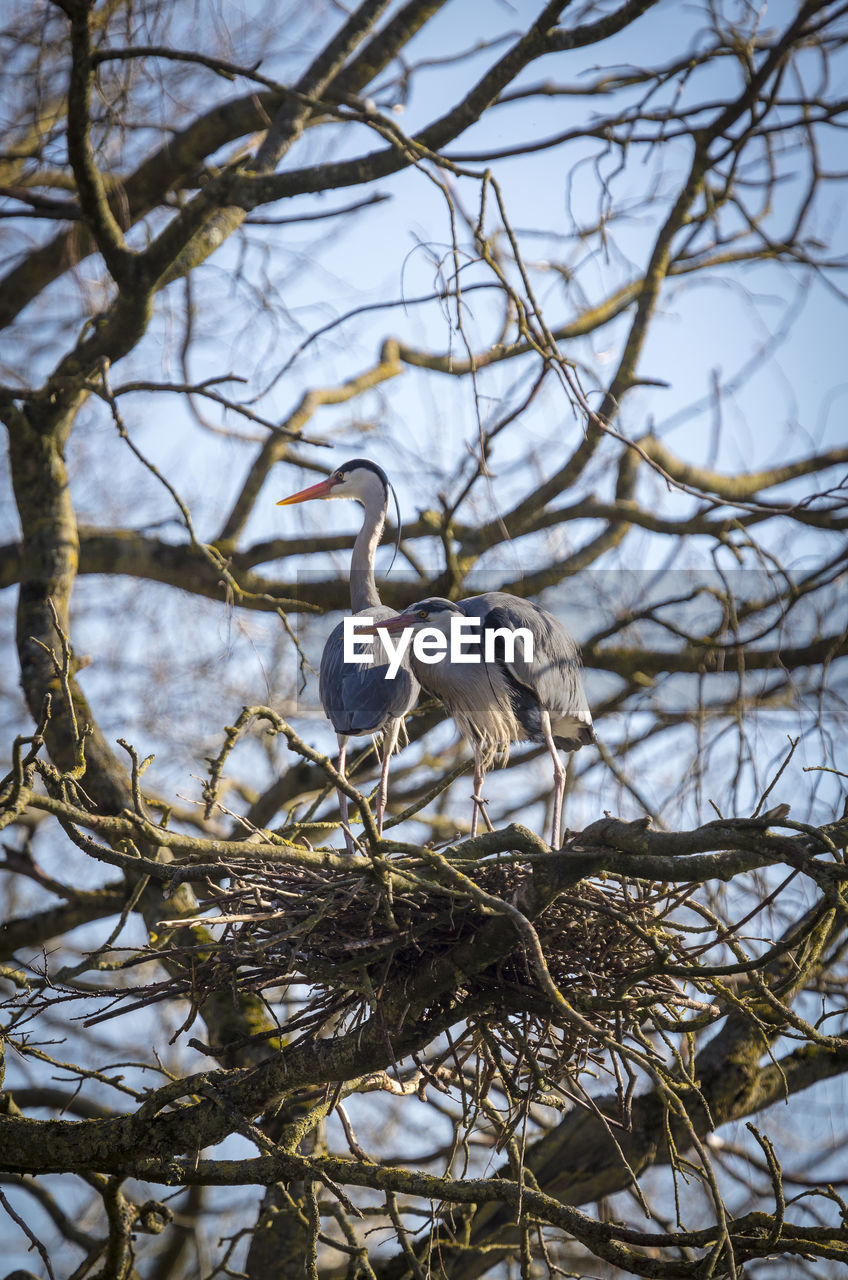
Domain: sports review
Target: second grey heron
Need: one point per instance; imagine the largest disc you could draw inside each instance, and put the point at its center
(510, 697)
(361, 699)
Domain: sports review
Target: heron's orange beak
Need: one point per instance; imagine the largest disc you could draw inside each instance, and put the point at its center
(394, 625)
(324, 489)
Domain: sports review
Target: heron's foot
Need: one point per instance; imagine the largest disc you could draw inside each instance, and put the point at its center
(480, 808)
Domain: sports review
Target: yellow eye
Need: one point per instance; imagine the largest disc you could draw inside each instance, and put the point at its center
(422, 613)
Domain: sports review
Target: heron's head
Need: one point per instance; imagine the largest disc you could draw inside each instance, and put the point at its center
(432, 612)
(360, 479)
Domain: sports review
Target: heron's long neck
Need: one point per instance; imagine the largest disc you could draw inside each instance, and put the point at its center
(363, 588)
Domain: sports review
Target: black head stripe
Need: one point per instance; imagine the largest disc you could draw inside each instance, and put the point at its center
(435, 604)
(365, 464)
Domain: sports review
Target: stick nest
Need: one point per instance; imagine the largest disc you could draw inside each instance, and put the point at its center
(345, 940)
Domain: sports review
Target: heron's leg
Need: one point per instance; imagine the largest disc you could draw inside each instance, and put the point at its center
(342, 797)
(559, 779)
(390, 737)
(479, 802)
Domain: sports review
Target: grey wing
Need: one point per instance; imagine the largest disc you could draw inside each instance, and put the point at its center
(360, 698)
(552, 679)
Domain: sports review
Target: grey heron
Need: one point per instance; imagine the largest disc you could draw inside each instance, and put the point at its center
(510, 697)
(361, 699)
